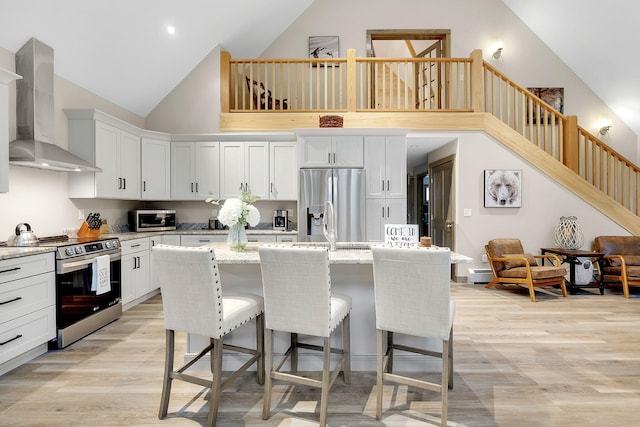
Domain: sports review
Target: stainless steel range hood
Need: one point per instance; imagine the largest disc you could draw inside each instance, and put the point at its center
(34, 145)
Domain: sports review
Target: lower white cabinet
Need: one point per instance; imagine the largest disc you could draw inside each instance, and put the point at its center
(287, 238)
(381, 212)
(27, 308)
(135, 279)
(252, 238)
(166, 239)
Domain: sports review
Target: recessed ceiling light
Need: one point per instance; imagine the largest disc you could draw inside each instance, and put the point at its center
(171, 29)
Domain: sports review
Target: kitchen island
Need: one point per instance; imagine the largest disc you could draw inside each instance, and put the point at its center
(351, 274)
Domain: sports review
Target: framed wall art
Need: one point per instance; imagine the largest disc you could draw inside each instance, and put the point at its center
(502, 188)
(324, 47)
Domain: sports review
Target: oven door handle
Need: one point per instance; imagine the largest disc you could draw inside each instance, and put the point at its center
(78, 265)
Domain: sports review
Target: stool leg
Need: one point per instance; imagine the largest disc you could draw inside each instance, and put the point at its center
(346, 348)
(216, 370)
(451, 359)
(324, 399)
(294, 352)
(266, 400)
(390, 351)
(380, 366)
(445, 381)
(260, 347)
(168, 369)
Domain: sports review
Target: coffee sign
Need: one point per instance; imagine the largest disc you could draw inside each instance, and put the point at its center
(401, 235)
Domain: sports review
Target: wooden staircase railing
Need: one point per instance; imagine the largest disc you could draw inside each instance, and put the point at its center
(348, 85)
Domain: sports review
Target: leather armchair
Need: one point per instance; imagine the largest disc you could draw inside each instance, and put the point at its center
(510, 264)
(621, 263)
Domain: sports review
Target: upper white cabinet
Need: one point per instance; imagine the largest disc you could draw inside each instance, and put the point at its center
(331, 151)
(6, 77)
(244, 166)
(195, 170)
(385, 162)
(156, 167)
(283, 171)
(113, 146)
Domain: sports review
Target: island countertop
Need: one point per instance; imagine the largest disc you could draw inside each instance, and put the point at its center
(347, 253)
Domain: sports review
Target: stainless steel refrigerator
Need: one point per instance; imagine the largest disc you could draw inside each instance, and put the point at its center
(345, 188)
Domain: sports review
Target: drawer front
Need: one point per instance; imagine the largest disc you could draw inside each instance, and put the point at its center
(27, 295)
(201, 239)
(260, 238)
(135, 245)
(27, 332)
(287, 238)
(19, 268)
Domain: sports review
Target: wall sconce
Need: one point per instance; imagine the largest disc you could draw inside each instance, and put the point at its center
(498, 53)
(604, 127)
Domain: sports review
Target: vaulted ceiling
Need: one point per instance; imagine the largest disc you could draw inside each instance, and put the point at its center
(121, 50)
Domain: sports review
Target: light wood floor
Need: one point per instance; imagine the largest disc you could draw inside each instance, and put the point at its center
(559, 362)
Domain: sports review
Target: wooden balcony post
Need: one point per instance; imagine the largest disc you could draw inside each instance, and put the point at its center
(351, 80)
(570, 144)
(225, 81)
(477, 81)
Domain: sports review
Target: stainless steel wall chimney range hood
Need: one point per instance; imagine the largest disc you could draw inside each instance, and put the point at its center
(34, 145)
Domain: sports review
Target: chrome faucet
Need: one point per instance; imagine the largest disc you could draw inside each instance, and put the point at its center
(329, 225)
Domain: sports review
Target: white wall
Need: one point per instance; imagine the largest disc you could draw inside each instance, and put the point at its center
(543, 203)
(39, 197)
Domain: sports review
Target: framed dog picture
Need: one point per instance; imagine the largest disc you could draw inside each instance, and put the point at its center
(502, 188)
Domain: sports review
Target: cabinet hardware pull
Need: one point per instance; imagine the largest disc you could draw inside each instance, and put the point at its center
(383, 185)
(12, 339)
(383, 212)
(387, 185)
(328, 157)
(271, 187)
(196, 187)
(10, 270)
(119, 183)
(136, 245)
(334, 157)
(387, 211)
(124, 183)
(203, 240)
(144, 185)
(192, 187)
(11, 300)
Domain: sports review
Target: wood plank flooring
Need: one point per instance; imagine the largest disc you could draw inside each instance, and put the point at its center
(559, 362)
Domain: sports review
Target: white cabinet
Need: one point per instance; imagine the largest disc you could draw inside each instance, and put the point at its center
(385, 163)
(27, 308)
(201, 239)
(287, 238)
(283, 171)
(195, 170)
(244, 166)
(331, 151)
(110, 144)
(253, 238)
(156, 168)
(381, 212)
(165, 239)
(6, 77)
(135, 278)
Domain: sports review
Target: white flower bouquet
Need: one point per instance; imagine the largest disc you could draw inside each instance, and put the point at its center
(238, 210)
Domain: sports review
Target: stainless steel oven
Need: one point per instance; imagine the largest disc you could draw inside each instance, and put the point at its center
(79, 309)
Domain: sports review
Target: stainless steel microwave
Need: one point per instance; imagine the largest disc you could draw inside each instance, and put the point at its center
(152, 220)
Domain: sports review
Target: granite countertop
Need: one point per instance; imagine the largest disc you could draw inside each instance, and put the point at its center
(9, 252)
(136, 235)
(347, 253)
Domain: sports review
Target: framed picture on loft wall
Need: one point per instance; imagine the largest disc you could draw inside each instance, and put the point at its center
(502, 188)
(553, 96)
(324, 47)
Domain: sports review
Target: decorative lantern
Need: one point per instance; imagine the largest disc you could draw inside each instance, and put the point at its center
(568, 234)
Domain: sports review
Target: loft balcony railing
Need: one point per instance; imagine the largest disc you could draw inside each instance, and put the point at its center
(423, 85)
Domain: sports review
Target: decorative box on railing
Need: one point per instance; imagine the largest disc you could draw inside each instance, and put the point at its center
(331, 121)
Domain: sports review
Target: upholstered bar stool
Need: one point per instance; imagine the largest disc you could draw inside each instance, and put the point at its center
(298, 299)
(193, 302)
(412, 296)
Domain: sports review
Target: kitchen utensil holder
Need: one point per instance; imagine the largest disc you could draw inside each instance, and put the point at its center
(85, 231)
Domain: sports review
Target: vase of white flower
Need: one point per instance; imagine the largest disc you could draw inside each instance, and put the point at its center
(236, 214)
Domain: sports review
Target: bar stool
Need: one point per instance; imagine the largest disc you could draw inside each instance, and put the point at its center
(193, 302)
(412, 296)
(298, 299)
